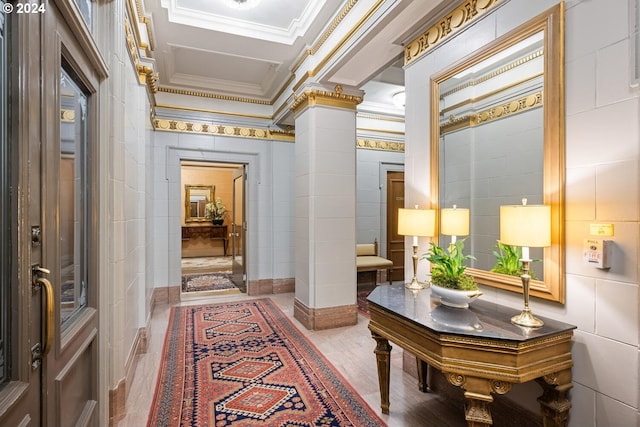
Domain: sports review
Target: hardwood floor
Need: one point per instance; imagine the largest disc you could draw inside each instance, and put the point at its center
(349, 349)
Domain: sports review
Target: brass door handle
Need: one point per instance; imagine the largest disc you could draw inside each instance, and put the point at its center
(47, 313)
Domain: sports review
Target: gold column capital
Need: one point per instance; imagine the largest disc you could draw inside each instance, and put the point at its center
(336, 99)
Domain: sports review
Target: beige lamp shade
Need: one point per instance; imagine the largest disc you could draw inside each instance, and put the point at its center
(454, 221)
(525, 225)
(416, 222)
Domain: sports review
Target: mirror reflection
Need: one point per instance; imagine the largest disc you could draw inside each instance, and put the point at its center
(497, 138)
(491, 142)
(196, 198)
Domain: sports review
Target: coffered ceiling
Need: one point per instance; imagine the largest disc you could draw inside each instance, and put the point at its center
(208, 46)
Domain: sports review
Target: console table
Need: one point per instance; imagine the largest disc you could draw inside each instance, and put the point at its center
(214, 232)
(477, 349)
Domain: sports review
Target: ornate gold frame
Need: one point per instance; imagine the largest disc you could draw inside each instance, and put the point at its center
(552, 23)
(187, 197)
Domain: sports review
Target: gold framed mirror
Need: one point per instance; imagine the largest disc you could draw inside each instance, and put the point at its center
(195, 199)
(497, 136)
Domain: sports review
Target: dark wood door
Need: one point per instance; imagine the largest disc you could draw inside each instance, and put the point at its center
(395, 242)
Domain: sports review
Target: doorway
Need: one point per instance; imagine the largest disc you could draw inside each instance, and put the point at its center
(395, 242)
(49, 202)
(210, 212)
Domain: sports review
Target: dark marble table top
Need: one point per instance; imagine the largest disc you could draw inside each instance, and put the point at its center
(482, 319)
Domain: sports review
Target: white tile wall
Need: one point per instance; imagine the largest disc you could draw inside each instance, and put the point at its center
(602, 178)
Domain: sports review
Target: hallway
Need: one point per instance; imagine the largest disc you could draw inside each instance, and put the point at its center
(349, 349)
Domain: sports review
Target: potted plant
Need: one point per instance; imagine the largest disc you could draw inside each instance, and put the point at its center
(448, 278)
(215, 211)
(508, 260)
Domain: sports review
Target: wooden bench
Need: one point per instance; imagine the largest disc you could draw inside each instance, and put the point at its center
(367, 259)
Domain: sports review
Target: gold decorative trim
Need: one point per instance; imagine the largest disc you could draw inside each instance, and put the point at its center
(489, 94)
(204, 110)
(214, 96)
(380, 117)
(146, 75)
(454, 21)
(325, 36)
(522, 347)
(393, 132)
(495, 73)
(500, 387)
(67, 116)
(372, 144)
(504, 109)
(146, 21)
(208, 128)
(322, 97)
(339, 45)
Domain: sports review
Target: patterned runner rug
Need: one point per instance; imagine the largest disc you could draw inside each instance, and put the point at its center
(207, 281)
(246, 364)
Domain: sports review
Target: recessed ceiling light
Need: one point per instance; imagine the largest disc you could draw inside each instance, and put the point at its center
(398, 99)
(241, 4)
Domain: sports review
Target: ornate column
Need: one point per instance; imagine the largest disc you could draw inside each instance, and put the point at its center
(325, 198)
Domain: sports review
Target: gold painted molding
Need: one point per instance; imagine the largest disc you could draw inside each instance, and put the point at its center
(208, 111)
(501, 111)
(208, 128)
(489, 94)
(214, 96)
(338, 45)
(322, 97)
(381, 117)
(325, 36)
(451, 23)
(67, 116)
(496, 73)
(373, 144)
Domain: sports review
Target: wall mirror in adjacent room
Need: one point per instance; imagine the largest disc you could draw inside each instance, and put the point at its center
(497, 136)
(196, 197)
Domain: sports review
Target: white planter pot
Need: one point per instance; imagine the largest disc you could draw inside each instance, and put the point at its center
(454, 297)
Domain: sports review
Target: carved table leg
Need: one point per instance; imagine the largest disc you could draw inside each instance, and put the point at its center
(423, 368)
(383, 359)
(478, 391)
(554, 403)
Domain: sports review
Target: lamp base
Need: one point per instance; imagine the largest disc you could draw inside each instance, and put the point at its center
(415, 285)
(526, 318)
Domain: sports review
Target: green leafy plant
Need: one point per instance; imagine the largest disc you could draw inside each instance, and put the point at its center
(215, 210)
(508, 260)
(448, 269)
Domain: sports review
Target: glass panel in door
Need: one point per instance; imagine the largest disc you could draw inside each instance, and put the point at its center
(73, 203)
(238, 228)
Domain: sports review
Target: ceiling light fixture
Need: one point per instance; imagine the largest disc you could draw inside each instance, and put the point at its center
(241, 4)
(399, 99)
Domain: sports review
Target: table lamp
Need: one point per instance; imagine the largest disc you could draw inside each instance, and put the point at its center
(417, 223)
(454, 222)
(526, 226)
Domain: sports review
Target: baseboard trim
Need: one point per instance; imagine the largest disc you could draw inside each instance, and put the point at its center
(270, 286)
(326, 317)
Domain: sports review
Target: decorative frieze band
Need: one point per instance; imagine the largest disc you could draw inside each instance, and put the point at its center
(454, 21)
(500, 111)
(222, 130)
(372, 144)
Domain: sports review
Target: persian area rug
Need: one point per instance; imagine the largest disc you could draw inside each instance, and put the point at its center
(246, 364)
(207, 281)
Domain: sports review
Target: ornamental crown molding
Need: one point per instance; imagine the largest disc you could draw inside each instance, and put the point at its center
(448, 25)
(335, 99)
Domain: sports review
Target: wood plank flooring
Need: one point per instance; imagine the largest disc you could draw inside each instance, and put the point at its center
(350, 350)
